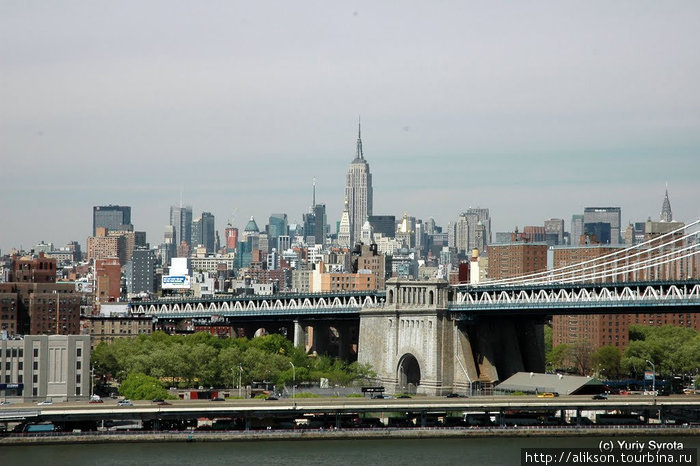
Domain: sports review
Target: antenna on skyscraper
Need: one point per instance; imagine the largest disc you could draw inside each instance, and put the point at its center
(359, 138)
(313, 199)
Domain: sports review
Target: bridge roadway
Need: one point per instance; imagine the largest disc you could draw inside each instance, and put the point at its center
(464, 301)
(577, 298)
(146, 410)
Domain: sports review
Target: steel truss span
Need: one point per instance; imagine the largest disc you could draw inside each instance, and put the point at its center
(684, 295)
(252, 306)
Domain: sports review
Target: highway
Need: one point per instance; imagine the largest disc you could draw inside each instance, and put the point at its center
(109, 407)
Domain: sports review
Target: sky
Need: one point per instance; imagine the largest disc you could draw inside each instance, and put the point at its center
(532, 109)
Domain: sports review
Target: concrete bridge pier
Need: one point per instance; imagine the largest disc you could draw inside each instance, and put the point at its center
(299, 334)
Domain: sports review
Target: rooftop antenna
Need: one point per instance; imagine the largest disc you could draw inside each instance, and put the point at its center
(313, 200)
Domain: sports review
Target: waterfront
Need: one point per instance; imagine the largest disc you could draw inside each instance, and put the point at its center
(503, 450)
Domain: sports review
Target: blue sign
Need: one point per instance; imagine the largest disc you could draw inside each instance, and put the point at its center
(174, 279)
(11, 386)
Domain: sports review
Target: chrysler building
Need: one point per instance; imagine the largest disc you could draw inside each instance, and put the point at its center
(358, 191)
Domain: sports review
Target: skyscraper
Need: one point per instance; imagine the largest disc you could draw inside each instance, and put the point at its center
(181, 220)
(278, 225)
(472, 230)
(576, 229)
(596, 217)
(111, 217)
(358, 191)
(204, 232)
(344, 230)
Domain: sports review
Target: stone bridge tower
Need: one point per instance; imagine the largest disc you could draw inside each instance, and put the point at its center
(416, 345)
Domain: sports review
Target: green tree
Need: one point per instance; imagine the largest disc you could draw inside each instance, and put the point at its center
(548, 339)
(559, 357)
(138, 386)
(606, 361)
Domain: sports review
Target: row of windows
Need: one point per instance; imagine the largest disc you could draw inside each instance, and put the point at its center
(13, 353)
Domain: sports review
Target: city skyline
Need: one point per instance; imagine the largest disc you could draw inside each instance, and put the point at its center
(463, 106)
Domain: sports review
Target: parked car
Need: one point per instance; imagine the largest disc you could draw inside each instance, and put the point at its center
(45, 403)
(600, 396)
(95, 399)
(548, 395)
(453, 395)
(125, 403)
(5, 403)
(218, 398)
(272, 398)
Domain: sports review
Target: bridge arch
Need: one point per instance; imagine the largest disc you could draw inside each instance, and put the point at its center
(408, 373)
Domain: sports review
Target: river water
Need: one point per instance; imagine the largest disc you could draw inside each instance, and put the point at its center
(467, 451)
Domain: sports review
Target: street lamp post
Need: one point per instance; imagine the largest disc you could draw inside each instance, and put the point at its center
(240, 371)
(294, 383)
(653, 377)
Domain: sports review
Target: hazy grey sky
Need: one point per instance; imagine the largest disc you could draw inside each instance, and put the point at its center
(533, 109)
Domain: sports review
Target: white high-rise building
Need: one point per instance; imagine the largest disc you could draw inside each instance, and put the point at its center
(345, 232)
(358, 192)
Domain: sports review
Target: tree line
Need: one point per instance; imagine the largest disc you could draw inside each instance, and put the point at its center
(202, 359)
(674, 351)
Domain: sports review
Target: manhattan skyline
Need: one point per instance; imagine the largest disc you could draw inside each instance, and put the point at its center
(533, 111)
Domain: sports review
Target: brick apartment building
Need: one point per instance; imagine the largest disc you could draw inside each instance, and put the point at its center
(613, 329)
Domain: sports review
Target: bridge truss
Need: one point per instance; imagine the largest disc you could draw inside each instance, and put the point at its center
(581, 298)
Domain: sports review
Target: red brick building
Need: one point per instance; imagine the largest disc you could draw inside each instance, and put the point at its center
(516, 259)
(108, 278)
(613, 329)
(39, 308)
(33, 269)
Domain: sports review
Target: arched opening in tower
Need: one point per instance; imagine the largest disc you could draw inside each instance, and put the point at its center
(409, 374)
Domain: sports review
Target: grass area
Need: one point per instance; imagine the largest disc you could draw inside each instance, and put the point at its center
(307, 395)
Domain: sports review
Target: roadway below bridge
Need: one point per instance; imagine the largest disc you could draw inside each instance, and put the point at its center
(299, 406)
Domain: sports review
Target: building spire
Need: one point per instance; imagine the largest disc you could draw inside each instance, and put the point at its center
(359, 140)
(313, 199)
(666, 213)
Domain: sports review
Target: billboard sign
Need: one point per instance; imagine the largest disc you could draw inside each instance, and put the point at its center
(175, 282)
(648, 375)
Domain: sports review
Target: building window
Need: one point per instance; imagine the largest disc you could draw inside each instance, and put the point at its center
(36, 365)
(77, 391)
(35, 378)
(77, 378)
(79, 352)
(35, 391)
(36, 352)
(77, 365)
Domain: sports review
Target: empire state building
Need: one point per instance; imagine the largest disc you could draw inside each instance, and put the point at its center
(358, 191)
